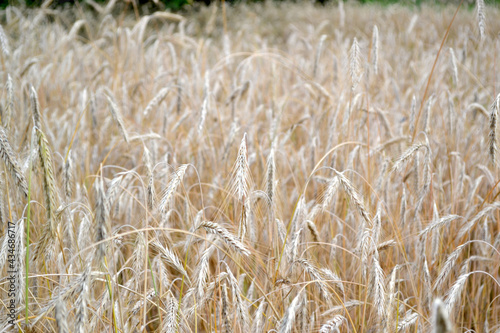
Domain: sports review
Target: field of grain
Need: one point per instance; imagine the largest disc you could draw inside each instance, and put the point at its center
(263, 168)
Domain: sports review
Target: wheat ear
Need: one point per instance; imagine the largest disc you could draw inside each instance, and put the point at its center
(151, 193)
(50, 192)
(481, 18)
(160, 96)
(225, 308)
(355, 64)
(81, 302)
(117, 117)
(453, 62)
(226, 236)
(288, 320)
(495, 108)
(61, 315)
(172, 318)
(440, 320)
(354, 196)
(168, 194)
(333, 324)
(35, 108)
(241, 172)
(9, 109)
(4, 43)
(10, 160)
(101, 219)
(375, 49)
(319, 50)
(68, 177)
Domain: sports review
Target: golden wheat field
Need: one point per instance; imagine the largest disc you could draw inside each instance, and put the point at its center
(274, 167)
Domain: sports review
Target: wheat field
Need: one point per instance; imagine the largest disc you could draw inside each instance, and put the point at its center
(274, 167)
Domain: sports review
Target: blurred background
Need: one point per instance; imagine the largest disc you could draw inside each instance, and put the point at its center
(176, 5)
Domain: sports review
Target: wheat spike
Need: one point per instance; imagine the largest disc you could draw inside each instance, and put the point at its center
(481, 18)
(453, 62)
(82, 291)
(9, 108)
(61, 315)
(440, 321)
(4, 43)
(168, 194)
(241, 174)
(10, 160)
(35, 108)
(319, 50)
(375, 49)
(495, 108)
(225, 308)
(68, 177)
(354, 196)
(117, 117)
(171, 322)
(355, 64)
(50, 193)
(288, 320)
(160, 96)
(226, 236)
(101, 219)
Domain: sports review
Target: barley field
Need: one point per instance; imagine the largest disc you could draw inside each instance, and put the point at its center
(273, 167)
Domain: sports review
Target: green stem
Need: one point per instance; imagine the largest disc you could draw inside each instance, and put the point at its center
(27, 263)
